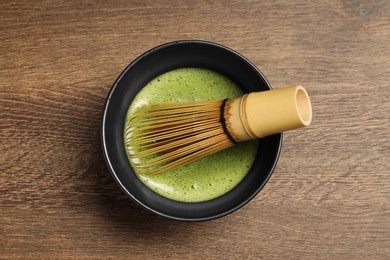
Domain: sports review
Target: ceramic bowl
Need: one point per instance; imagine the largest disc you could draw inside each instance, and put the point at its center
(173, 55)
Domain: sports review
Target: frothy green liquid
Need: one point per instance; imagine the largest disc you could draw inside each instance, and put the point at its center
(209, 177)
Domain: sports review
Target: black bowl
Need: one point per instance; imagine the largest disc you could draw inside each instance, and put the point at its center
(149, 65)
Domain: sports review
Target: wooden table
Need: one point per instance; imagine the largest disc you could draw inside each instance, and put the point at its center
(329, 196)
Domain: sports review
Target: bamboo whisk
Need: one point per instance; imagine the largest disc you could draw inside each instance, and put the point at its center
(164, 137)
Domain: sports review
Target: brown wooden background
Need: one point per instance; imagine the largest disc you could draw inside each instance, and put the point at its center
(329, 196)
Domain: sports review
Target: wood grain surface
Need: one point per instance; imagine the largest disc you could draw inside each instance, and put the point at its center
(329, 197)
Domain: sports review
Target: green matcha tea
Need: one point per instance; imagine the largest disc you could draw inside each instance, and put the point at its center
(209, 177)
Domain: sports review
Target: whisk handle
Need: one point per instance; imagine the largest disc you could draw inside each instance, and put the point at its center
(264, 113)
(276, 111)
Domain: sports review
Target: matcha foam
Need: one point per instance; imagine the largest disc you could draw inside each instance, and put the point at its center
(209, 177)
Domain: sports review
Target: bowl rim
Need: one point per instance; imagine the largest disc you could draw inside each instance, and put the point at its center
(104, 142)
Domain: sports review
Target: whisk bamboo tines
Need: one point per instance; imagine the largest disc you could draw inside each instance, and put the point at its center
(164, 137)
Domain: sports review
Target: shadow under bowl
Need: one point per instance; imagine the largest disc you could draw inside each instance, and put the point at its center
(183, 54)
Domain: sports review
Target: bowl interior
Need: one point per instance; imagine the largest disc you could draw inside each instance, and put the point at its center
(161, 59)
